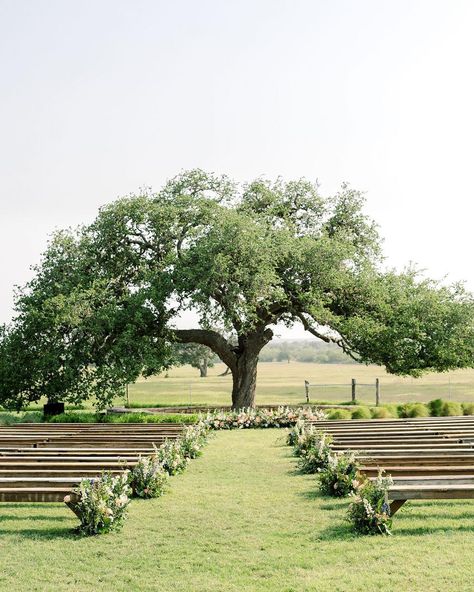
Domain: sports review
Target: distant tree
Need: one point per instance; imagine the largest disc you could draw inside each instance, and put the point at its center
(197, 356)
(100, 310)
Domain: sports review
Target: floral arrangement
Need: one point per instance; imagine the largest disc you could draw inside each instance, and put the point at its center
(252, 417)
(171, 457)
(308, 437)
(102, 503)
(340, 476)
(148, 477)
(315, 458)
(369, 512)
(296, 432)
(193, 439)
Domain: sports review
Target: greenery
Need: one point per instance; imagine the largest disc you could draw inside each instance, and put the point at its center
(148, 478)
(315, 457)
(362, 413)
(413, 410)
(102, 503)
(196, 537)
(101, 307)
(369, 512)
(468, 408)
(339, 414)
(196, 355)
(339, 477)
(382, 413)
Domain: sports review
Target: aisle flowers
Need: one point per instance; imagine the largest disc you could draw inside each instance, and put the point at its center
(252, 417)
(340, 476)
(369, 512)
(101, 503)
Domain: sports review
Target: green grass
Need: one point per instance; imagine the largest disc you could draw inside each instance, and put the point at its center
(282, 383)
(240, 518)
(90, 417)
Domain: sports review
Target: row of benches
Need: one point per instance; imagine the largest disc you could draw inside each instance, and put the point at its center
(428, 458)
(43, 462)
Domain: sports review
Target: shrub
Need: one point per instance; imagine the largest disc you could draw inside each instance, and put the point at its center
(468, 408)
(316, 457)
(362, 413)
(413, 410)
(340, 476)
(340, 414)
(81, 417)
(184, 418)
(102, 503)
(148, 478)
(435, 407)
(451, 408)
(381, 413)
(369, 513)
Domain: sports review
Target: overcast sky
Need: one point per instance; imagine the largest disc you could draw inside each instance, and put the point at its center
(98, 98)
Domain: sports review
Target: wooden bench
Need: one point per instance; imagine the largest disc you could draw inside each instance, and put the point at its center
(428, 458)
(44, 462)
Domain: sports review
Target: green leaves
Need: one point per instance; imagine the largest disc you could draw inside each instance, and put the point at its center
(101, 308)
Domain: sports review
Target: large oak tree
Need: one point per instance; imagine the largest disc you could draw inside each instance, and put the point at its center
(102, 306)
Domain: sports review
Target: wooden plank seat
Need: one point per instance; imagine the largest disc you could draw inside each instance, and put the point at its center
(42, 463)
(427, 459)
(399, 494)
(34, 494)
(40, 482)
(418, 470)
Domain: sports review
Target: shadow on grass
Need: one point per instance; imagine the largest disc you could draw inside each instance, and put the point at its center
(42, 534)
(426, 530)
(12, 517)
(338, 531)
(29, 505)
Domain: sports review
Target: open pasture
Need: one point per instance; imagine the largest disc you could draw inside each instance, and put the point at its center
(283, 383)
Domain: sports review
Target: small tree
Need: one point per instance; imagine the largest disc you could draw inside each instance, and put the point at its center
(100, 310)
(197, 356)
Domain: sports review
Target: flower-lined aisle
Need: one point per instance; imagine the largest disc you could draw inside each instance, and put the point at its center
(339, 476)
(101, 504)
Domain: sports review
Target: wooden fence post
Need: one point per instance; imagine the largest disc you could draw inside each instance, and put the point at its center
(377, 392)
(306, 389)
(353, 390)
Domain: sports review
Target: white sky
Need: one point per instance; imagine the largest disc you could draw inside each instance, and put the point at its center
(100, 97)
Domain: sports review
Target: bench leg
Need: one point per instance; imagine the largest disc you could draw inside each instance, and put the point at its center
(396, 505)
(71, 503)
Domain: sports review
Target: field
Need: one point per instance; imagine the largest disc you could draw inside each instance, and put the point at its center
(239, 518)
(284, 383)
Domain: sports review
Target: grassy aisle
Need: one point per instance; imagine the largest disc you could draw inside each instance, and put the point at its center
(238, 519)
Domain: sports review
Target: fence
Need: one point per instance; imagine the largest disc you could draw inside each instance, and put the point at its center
(354, 387)
(389, 391)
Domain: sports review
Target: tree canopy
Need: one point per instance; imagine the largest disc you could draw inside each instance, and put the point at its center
(102, 306)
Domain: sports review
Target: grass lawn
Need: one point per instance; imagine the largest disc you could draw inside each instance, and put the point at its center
(283, 383)
(239, 518)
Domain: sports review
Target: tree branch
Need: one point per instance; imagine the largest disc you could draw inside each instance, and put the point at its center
(340, 341)
(212, 339)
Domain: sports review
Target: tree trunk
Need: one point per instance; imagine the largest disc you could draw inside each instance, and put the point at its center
(241, 359)
(244, 380)
(203, 369)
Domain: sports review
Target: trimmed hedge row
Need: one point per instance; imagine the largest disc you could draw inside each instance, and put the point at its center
(435, 408)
